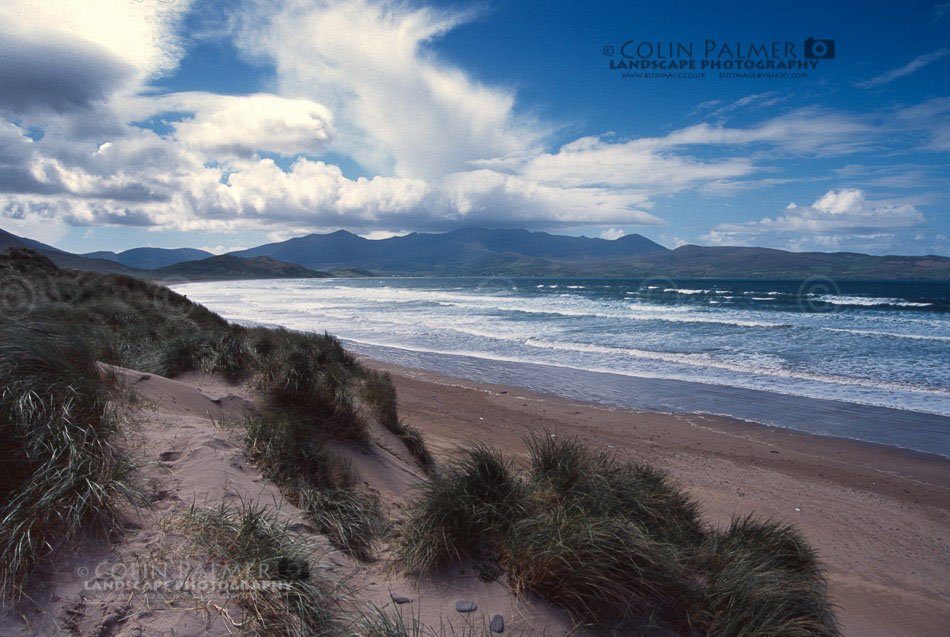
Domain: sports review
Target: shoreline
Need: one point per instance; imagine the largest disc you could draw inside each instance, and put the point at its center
(880, 425)
(878, 515)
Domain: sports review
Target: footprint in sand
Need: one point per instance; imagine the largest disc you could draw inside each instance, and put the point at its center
(220, 443)
(169, 456)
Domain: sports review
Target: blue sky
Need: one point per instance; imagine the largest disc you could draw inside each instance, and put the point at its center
(228, 124)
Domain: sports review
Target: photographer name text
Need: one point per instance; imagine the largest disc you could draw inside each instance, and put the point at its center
(716, 55)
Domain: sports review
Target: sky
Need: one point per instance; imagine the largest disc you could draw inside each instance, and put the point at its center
(224, 124)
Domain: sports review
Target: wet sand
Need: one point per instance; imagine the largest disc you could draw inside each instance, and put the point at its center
(879, 516)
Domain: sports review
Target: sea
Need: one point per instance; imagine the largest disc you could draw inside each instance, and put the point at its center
(866, 360)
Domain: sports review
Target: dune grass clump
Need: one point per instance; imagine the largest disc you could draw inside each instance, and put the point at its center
(128, 321)
(257, 547)
(462, 510)
(620, 546)
(351, 518)
(765, 579)
(293, 454)
(311, 381)
(601, 487)
(60, 468)
(602, 569)
(380, 393)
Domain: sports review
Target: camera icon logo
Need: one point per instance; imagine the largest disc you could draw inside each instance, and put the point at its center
(819, 49)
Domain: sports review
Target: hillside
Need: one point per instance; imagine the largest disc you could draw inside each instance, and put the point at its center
(728, 262)
(231, 267)
(65, 260)
(150, 258)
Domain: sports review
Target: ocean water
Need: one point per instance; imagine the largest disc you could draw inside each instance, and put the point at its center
(865, 360)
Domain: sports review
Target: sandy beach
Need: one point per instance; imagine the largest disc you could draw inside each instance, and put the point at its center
(878, 516)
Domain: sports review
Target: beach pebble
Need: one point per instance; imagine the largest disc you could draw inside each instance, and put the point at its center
(497, 624)
(399, 599)
(465, 607)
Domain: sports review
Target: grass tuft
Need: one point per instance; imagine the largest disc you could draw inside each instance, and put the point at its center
(255, 544)
(311, 382)
(380, 393)
(318, 481)
(764, 579)
(618, 545)
(60, 469)
(459, 510)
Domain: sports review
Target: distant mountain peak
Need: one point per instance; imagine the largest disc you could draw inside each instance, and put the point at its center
(463, 250)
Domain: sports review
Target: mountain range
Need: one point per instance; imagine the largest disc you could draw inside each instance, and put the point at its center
(472, 250)
(482, 252)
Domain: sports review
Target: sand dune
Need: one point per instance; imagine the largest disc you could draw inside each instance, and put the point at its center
(187, 437)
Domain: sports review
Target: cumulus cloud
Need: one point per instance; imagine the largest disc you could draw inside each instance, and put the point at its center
(837, 218)
(399, 107)
(612, 233)
(245, 125)
(357, 78)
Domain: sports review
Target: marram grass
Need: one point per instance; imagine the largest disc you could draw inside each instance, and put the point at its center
(620, 546)
(61, 471)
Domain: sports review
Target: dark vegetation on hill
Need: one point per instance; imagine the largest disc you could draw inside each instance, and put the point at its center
(619, 546)
(227, 266)
(151, 258)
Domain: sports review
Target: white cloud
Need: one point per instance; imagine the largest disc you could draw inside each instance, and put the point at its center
(358, 78)
(57, 56)
(612, 233)
(836, 219)
(141, 34)
(803, 131)
(932, 118)
(376, 235)
(911, 67)
(755, 100)
(221, 249)
(242, 125)
(643, 166)
(399, 108)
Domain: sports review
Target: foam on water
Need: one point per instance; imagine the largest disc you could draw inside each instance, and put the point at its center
(873, 344)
